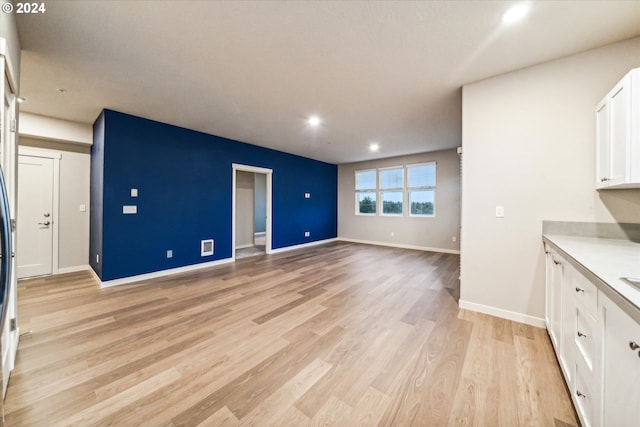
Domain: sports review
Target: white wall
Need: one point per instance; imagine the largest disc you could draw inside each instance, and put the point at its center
(244, 209)
(529, 145)
(36, 126)
(75, 166)
(428, 233)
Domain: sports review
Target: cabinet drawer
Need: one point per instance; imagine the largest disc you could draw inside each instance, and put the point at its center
(584, 336)
(584, 291)
(582, 394)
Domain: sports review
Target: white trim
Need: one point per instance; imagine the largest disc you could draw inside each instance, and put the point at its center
(37, 152)
(502, 313)
(248, 245)
(269, 183)
(303, 245)
(74, 269)
(161, 273)
(55, 221)
(260, 233)
(400, 245)
(10, 70)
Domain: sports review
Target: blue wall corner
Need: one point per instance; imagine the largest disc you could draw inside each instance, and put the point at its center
(184, 179)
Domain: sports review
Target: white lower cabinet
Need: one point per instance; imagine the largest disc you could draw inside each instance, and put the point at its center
(597, 345)
(619, 380)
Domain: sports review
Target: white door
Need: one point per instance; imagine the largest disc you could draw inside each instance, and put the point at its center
(620, 115)
(35, 216)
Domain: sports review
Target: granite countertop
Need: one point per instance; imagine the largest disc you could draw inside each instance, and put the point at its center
(609, 260)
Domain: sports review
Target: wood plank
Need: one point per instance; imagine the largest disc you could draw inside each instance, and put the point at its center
(335, 334)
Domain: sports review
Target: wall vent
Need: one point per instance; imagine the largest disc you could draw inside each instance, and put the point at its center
(206, 247)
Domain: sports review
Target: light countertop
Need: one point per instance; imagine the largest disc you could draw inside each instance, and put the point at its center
(609, 260)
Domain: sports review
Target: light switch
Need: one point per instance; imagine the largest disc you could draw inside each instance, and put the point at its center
(134, 192)
(499, 211)
(129, 209)
(83, 208)
(307, 195)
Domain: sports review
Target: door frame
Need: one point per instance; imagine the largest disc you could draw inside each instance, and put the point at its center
(254, 169)
(55, 221)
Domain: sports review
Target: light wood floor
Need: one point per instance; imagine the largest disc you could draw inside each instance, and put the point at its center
(338, 334)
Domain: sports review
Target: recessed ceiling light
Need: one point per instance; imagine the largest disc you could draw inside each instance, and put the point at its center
(20, 99)
(374, 147)
(313, 121)
(516, 13)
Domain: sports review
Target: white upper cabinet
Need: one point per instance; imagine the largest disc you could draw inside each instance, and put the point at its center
(618, 135)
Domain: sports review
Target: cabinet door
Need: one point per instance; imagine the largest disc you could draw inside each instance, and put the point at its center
(620, 366)
(548, 304)
(568, 321)
(603, 160)
(619, 132)
(556, 300)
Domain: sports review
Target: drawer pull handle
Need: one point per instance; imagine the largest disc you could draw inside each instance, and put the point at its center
(633, 345)
(556, 262)
(580, 394)
(579, 289)
(581, 335)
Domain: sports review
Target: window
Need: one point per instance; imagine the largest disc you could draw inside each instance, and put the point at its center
(421, 186)
(387, 188)
(391, 190)
(366, 192)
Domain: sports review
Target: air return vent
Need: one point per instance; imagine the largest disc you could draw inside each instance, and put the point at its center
(206, 247)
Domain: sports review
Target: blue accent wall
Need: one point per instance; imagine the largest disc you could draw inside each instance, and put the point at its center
(184, 180)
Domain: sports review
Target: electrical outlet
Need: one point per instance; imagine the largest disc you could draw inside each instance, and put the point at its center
(499, 211)
(307, 195)
(453, 239)
(169, 253)
(393, 234)
(83, 208)
(307, 234)
(128, 210)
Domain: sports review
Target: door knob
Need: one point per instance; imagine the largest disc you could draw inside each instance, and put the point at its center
(47, 223)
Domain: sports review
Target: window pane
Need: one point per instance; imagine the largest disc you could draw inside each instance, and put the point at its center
(366, 180)
(392, 202)
(391, 178)
(422, 175)
(422, 202)
(367, 203)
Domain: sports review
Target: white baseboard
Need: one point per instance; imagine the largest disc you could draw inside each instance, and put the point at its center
(304, 245)
(260, 233)
(248, 245)
(161, 273)
(504, 314)
(74, 269)
(400, 245)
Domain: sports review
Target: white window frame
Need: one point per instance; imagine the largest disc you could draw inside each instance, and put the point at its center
(421, 188)
(368, 191)
(400, 190)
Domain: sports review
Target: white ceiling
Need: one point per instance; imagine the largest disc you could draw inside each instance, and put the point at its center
(383, 71)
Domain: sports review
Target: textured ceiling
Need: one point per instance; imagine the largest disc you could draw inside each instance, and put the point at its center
(389, 72)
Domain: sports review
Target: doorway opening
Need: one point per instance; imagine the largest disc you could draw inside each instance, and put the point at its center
(251, 217)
